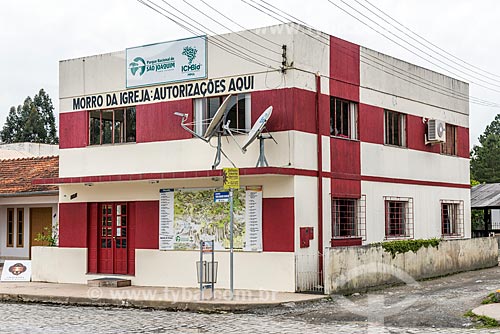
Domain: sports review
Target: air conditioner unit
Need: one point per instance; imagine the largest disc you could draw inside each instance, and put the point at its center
(436, 132)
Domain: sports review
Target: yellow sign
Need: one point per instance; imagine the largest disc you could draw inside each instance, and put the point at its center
(231, 178)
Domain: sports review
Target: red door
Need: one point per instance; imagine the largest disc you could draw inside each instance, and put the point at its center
(113, 240)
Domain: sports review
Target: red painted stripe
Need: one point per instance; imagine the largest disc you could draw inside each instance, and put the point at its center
(73, 129)
(278, 221)
(73, 225)
(344, 69)
(175, 175)
(414, 182)
(157, 122)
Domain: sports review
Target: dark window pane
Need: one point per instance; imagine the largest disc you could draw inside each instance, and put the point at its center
(103, 243)
(119, 126)
(108, 243)
(124, 243)
(95, 127)
(130, 124)
(118, 243)
(107, 127)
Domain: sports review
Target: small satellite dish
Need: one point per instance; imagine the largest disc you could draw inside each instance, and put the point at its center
(217, 119)
(257, 127)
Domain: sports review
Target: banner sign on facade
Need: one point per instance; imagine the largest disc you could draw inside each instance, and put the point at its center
(189, 216)
(198, 89)
(16, 271)
(154, 64)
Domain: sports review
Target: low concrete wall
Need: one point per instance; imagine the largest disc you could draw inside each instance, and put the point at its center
(273, 271)
(350, 269)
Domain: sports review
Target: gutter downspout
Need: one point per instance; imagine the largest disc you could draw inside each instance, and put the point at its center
(320, 179)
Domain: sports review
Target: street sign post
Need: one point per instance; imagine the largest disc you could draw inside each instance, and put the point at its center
(231, 181)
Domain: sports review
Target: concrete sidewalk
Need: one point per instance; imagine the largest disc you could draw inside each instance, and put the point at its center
(489, 310)
(146, 297)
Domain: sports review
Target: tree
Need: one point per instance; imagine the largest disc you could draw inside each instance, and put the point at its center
(485, 158)
(33, 122)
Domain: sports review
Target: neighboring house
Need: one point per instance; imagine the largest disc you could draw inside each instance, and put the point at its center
(351, 164)
(485, 199)
(27, 150)
(26, 209)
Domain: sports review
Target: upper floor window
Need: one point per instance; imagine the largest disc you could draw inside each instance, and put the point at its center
(450, 146)
(239, 113)
(343, 118)
(395, 128)
(112, 126)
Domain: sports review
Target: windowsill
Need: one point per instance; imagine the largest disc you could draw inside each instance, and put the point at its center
(399, 237)
(452, 236)
(395, 146)
(344, 138)
(108, 145)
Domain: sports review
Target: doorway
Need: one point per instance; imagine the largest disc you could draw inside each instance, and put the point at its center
(113, 238)
(40, 223)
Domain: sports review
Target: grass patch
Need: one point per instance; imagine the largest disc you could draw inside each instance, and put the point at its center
(490, 299)
(482, 321)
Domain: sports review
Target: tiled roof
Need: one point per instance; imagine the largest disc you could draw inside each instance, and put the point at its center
(16, 175)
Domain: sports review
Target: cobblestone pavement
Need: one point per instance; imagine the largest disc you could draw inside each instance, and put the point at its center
(35, 319)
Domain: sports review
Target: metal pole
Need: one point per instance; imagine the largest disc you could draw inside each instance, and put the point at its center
(201, 270)
(231, 250)
(213, 269)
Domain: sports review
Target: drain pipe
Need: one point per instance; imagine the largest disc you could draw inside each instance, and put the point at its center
(320, 178)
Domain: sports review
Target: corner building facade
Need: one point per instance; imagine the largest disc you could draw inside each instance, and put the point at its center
(351, 165)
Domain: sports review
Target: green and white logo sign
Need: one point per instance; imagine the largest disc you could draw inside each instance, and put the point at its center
(166, 62)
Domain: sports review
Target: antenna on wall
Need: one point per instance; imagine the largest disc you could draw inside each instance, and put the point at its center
(257, 133)
(213, 128)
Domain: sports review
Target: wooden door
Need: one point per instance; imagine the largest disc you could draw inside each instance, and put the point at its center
(40, 222)
(113, 238)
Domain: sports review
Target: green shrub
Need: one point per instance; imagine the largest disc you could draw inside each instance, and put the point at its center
(403, 246)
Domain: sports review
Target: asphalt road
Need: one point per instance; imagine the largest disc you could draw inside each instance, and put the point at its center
(433, 303)
(434, 306)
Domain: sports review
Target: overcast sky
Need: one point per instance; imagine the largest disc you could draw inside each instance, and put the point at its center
(35, 35)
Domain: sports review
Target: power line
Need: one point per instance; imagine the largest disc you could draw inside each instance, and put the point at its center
(213, 40)
(239, 25)
(408, 49)
(429, 42)
(229, 42)
(442, 90)
(236, 33)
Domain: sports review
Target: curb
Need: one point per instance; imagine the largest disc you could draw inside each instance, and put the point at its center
(208, 307)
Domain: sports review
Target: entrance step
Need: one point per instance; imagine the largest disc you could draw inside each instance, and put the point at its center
(109, 282)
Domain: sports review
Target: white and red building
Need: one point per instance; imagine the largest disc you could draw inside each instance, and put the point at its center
(351, 164)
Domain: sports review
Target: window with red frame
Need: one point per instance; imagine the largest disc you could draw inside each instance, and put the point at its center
(398, 217)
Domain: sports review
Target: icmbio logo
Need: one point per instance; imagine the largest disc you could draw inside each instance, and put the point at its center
(138, 66)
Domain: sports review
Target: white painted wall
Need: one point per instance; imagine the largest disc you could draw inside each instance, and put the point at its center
(294, 149)
(384, 87)
(396, 162)
(426, 206)
(256, 271)
(272, 187)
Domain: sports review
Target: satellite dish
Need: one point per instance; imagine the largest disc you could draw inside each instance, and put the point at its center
(217, 119)
(257, 127)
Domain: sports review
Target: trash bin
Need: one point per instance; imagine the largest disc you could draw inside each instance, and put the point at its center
(207, 269)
